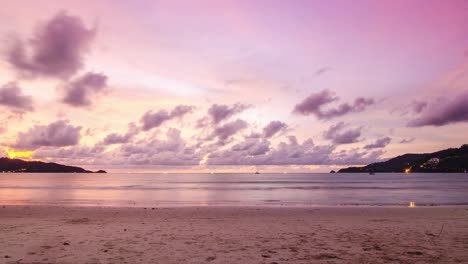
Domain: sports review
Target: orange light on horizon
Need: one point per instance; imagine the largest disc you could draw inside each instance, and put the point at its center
(412, 204)
(407, 170)
(12, 154)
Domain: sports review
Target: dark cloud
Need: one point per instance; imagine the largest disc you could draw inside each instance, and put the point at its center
(444, 112)
(55, 50)
(57, 134)
(151, 120)
(115, 138)
(379, 143)
(314, 104)
(338, 134)
(80, 91)
(419, 106)
(273, 128)
(406, 140)
(12, 97)
(218, 113)
(229, 129)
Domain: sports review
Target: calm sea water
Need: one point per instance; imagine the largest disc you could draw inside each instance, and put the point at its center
(233, 189)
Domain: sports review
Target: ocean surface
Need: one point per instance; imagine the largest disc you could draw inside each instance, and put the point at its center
(151, 190)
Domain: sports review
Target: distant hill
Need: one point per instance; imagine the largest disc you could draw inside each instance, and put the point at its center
(17, 165)
(447, 160)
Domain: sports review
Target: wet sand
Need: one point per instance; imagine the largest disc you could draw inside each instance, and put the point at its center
(44, 234)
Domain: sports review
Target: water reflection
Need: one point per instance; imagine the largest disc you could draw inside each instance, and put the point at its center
(233, 189)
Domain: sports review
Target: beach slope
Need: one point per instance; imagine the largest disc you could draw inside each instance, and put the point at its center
(45, 234)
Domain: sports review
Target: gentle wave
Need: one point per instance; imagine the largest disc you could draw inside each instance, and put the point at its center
(234, 189)
(229, 188)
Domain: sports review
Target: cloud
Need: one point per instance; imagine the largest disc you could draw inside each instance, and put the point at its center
(218, 113)
(173, 150)
(338, 135)
(379, 143)
(57, 134)
(229, 129)
(443, 112)
(259, 152)
(314, 104)
(273, 128)
(252, 147)
(12, 97)
(55, 50)
(356, 157)
(78, 93)
(151, 120)
(406, 140)
(115, 138)
(419, 106)
(75, 154)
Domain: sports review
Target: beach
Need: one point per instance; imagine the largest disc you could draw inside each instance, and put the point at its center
(230, 234)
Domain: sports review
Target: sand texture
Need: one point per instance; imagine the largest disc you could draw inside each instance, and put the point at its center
(42, 234)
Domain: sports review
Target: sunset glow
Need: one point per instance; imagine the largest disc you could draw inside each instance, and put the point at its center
(303, 86)
(12, 154)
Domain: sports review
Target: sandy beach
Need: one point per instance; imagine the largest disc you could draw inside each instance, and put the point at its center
(48, 234)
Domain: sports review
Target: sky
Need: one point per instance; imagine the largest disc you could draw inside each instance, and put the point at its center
(231, 86)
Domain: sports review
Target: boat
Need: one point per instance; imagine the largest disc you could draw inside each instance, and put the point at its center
(257, 172)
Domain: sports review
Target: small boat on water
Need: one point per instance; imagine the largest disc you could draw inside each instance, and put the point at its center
(257, 172)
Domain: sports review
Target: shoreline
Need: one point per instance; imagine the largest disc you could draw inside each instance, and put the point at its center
(233, 205)
(227, 234)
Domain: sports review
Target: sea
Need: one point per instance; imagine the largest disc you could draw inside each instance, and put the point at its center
(234, 189)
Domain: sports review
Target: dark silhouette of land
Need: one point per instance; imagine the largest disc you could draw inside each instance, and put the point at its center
(17, 165)
(447, 160)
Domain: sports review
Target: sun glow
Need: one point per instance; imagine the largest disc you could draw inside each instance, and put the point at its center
(407, 170)
(12, 154)
(203, 160)
(412, 204)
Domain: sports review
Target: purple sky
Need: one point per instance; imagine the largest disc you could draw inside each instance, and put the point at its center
(231, 85)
